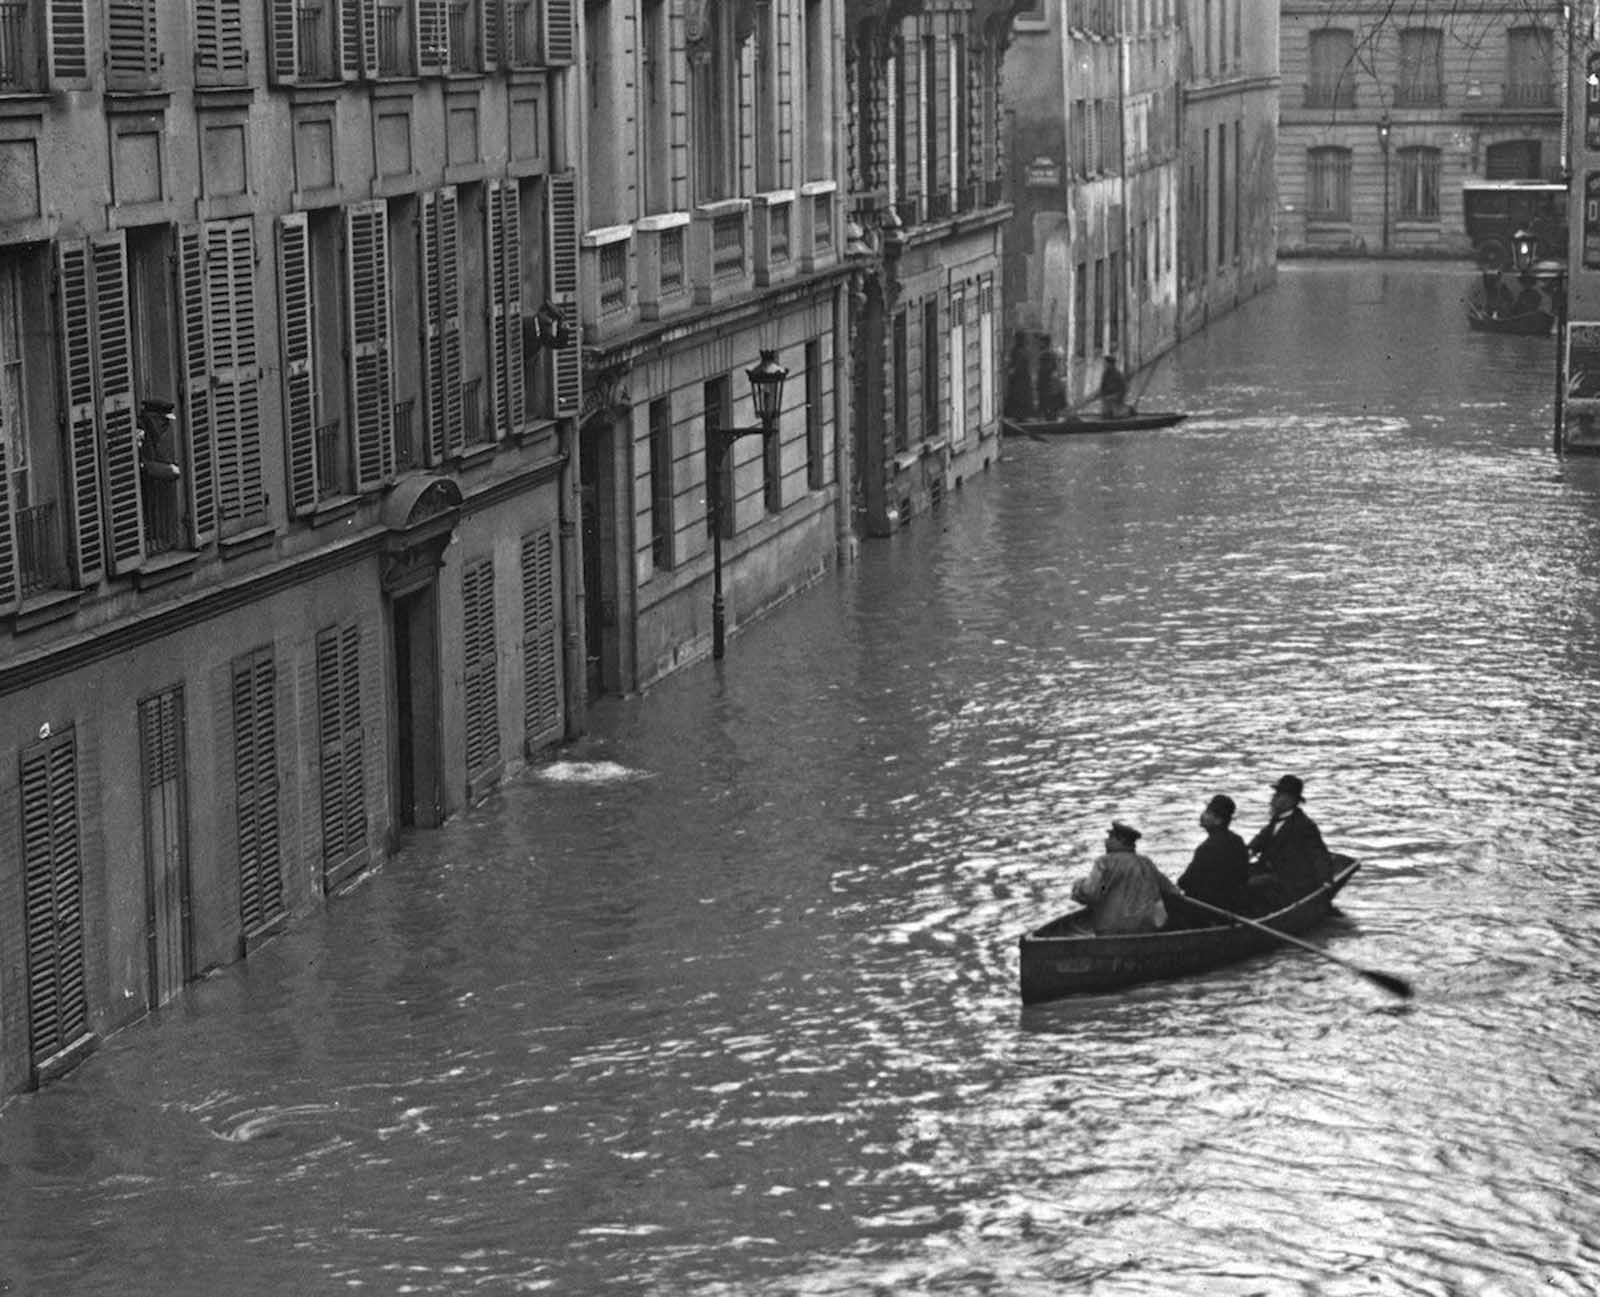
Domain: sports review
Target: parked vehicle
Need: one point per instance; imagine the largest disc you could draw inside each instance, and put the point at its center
(1494, 210)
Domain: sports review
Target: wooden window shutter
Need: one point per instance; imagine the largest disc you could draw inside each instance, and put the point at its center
(441, 295)
(344, 809)
(77, 370)
(371, 391)
(236, 398)
(541, 649)
(8, 538)
(478, 669)
(53, 897)
(559, 27)
(433, 35)
(119, 435)
(562, 223)
(299, 395)
(133, 57)
(358, 38)
(220, 57)
(255, 775)
(69, 43)
(492, 19)
(202, 475)
(285, 42)
(505, 304)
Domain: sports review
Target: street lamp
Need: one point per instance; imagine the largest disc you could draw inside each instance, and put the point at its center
(1384, 127)
(766, 392)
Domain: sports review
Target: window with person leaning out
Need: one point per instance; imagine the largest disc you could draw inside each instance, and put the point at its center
(1125, 891)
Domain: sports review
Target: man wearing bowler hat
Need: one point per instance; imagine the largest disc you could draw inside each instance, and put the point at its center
(1288, 855)
(1220, 871)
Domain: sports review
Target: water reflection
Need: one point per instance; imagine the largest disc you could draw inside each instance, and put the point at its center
(724, 1001)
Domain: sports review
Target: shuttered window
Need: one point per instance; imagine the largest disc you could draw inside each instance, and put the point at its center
(52, 873)
(77, 371)
(541, 659)
(9, 585)
(561, 222)
(504, 221)
(220, 58)
(441, 295)
(343, 775)
(433, 35)
(133, 57)
(559, 32)
(166, 868)
(986, 363)
(216, 278)
(478, 669)
(299, 383)
(69, 43)
(255, 777)
(371, 386)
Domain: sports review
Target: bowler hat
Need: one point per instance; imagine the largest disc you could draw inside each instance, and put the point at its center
(1222, 807)
(1291, 786)
(1126, 832)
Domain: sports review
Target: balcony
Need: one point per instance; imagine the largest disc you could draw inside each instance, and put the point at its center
(719, 250)
(524, 43)
(407, 449)
(817, 241)
(1529, 94)
(40, 562)
(1419, 96)
(473, 430)
(393, 56)
(771, 222)
(660, 263)
(330, 441)
(314, 43)
(19, 56)
(606, 260)
(463, 37)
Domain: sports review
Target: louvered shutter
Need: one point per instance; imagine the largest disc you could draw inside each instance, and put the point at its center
(559, 26)
(114, 355)
(492, 23)
(541, 659)
(562, 223)
(133, 57)
(344, 830)
(8, 536)
(358, 38)
(69, 43)
(285, 38)
(505, 304)
(433, 35)
(478, 668)
(441, 295)
(299, 398)
(220, 57)
(236, 399)
(77, 371)
(255, 757)
(53, 897)
(197, 418)
(371, 389)
(354, 775)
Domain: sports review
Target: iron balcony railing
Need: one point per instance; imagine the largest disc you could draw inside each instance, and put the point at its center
(38, 547)
(329, 436)
(1530, 94)
(1339, 95)
(15, 73)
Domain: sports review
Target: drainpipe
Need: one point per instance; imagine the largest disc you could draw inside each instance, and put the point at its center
(575, 666)
(844, 535)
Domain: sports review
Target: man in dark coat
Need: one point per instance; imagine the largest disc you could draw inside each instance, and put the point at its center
(1113, 390)
(1288, 855)
(1220, 870)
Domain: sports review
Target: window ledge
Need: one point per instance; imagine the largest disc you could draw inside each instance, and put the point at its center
(44, 608)
(475, 456)
(246, 542)
(332, 509)
(164, 568)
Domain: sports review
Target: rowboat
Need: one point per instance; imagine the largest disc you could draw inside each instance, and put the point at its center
(1061, 959)
(1533, 323)
(1078, 424)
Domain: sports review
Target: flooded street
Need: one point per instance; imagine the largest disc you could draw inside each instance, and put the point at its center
(724, 1001)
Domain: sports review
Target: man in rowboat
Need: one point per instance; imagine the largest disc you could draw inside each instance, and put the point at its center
(1219, 874)
(1288, 855)
(1124, 890)
(1113, 391)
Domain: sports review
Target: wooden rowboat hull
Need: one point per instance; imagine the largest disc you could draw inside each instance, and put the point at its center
(1058, 962)
(1079, 424)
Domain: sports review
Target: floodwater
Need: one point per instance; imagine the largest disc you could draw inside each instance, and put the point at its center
(724, 1000)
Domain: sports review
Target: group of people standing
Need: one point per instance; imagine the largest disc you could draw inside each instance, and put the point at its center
(1125, 892)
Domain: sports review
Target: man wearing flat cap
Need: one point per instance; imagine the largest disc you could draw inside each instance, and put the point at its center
(1288, 855)
(1220, 871)
(1124, 890)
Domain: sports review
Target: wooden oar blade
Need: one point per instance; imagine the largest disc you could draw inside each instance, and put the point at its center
(1394, 985)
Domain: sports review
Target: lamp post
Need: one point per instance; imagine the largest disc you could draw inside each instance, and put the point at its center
(1524, 254)
(1384, 126)
(766, 391)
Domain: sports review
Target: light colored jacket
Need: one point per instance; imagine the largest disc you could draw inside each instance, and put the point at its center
(1123, 892)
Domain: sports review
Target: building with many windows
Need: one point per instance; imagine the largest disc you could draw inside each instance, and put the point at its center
(1228, 245)
(1385, 115)
(288, 508)
(927, 227)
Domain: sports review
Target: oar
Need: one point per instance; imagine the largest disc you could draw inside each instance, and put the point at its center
(1394, 985)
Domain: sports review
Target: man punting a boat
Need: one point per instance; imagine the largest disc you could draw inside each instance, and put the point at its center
(1124, 890)
(1288, 856)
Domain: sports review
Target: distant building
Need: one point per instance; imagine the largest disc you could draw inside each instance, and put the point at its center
(1385, 113)
(1228, 242)
(288, 538)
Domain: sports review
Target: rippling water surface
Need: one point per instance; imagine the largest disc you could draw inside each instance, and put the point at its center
(724, 1000)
